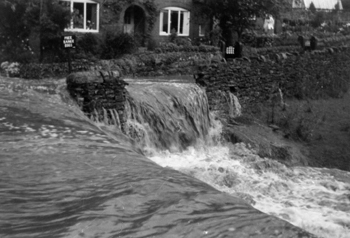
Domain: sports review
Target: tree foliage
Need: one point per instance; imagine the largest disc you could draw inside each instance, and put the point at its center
(312, 7)
(13, 29)
(19, 19)
(239, 15)
(346, 5)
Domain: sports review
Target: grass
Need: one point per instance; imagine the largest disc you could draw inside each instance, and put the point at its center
(323, 126)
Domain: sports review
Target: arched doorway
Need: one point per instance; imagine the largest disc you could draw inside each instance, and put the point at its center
(135, 23)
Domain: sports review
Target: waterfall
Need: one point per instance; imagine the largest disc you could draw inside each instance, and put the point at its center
(173, 124)
(167, 116)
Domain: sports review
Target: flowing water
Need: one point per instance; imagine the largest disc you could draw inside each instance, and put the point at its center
(309, 198)
(61, 175)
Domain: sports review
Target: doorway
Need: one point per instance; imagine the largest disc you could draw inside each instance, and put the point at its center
(135, 23)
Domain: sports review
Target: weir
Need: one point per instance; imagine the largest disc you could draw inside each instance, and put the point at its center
(65, 175)
(166, 116)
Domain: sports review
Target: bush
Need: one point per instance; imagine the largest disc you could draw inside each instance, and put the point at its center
(89, 45)
(52, 70)
(171, 47)
(116, 45)
(152, 44)
(173, 36)
(16, 53)
(180, 41)
(53, 52)
(40, 71)
(318, 19)
(215, 36)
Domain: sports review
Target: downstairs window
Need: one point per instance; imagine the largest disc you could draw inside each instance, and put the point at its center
(85, 15)
(174, 19)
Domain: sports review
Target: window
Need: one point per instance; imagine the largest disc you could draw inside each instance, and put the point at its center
(201, 32)
(175, 19)
(85, 15)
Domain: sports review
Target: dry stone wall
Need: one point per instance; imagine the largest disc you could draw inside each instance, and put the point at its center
(319, 73)
(101, 95)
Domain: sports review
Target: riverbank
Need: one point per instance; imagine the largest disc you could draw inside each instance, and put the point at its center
(318, 129)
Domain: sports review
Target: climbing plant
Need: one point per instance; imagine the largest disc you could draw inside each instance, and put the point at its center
(152, 14)
(117, 6)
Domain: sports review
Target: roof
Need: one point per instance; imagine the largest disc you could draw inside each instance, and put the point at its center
(319, 4)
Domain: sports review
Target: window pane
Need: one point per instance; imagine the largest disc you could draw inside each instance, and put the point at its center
(201, 30)
(186, 24)
(78, 15)
(165, 21)
(181, 30)
(91, 16)
(174, 21)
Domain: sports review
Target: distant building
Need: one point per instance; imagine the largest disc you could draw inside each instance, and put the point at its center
(324, 5)
(136, 16)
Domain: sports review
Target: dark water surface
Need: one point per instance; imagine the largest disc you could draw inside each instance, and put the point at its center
(63, 176)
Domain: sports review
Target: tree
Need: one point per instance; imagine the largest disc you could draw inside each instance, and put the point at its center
(19, 19)
(346, 5)
(238, 15)
(312, 7)
(13, 29)
(47, 18)
(337, 7)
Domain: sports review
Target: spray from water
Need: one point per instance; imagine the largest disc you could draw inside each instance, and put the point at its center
(303, 196)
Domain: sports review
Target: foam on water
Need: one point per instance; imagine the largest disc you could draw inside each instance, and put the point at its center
(303, 196)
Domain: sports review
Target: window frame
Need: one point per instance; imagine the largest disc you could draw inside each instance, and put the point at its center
(84, 29)
(186, 23)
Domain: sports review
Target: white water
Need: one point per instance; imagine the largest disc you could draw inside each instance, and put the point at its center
(302, 196)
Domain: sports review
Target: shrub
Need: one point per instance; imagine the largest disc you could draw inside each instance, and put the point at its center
(180, 41)
(173, 36)
(10, 69)
(152, 44)
(16, 53)
(116, 45)
(318, 19)
(90, 45)
(52, 70)
(215, 36)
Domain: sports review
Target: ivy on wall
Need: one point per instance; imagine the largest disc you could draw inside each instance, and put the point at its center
(116, 7)
(152, 14)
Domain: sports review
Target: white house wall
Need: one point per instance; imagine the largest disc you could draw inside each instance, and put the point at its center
(323, 4)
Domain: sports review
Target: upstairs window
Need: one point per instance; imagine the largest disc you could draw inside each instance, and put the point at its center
(85, 15)
(174, 19)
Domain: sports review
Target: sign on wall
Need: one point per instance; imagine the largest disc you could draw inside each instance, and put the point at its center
(69, 41)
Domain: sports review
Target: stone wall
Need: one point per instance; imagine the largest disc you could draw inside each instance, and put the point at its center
(175, 61)
(320, 73)
(100, 95)
(148, 64)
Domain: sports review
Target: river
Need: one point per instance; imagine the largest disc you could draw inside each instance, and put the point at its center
(62, 175)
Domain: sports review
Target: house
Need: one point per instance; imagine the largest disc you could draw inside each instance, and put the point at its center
(324, 5)
(142, 18)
